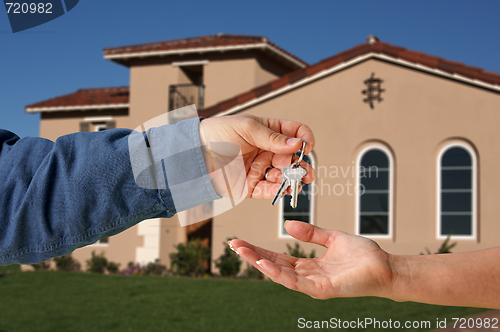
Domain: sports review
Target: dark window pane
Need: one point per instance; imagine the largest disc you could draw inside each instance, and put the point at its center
(375, 158)
(456, 202)
(374, 224)
(457, 225)
(374, 202)
(456, 157)
(303, 202)
(375, 180)
(460, 179)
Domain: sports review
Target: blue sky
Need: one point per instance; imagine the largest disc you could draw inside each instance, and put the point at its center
(64, 55)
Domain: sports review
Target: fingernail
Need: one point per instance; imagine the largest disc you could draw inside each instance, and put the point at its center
(236, 251)
(285, 223)
(292, 141)
(259, 263)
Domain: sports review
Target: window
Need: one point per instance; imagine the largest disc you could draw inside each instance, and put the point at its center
(374, 196)
(104, 241)
(100, 127)
(456, 192)
(304, 210)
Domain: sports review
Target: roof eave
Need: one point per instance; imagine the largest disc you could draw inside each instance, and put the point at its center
(121, 57)
(75, 108)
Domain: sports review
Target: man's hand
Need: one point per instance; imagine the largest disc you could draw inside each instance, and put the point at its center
(262, 142)
(352, 266)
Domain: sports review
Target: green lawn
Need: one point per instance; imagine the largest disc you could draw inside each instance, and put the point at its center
(64, 301)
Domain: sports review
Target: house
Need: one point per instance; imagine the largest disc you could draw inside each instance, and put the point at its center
(406, 142)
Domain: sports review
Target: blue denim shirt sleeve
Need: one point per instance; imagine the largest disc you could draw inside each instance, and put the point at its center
(60, 196)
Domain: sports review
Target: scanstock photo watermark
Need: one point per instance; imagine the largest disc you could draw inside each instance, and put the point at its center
(149, 157)
(384, 324)
(25, 15)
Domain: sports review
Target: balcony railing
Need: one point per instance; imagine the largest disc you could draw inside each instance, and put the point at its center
(185, 94)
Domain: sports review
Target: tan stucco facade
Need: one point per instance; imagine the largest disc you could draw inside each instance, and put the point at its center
(419, 115)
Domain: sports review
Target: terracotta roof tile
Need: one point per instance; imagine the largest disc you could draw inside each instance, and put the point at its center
(390, 50)
(87, 97)
(243, 98)
(355, 52)
(311, 70)
(212, 41)
(228, 104)
(330, 62)
(432, 62)
(297, 76)
(262, 90)
(279, 83)
(446, 66)
(410, 56)
(428, 61)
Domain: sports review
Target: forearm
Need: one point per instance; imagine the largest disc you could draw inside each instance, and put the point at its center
(465, 279)
(59, 196)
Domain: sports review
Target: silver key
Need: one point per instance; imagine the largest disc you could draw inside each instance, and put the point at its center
(285, 183)
(294, 176)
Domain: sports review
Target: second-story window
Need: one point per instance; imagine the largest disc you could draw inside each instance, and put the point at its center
(374, 198)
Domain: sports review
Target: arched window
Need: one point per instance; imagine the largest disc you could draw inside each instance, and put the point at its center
(374, 197)
(304, 210)
(456, 192)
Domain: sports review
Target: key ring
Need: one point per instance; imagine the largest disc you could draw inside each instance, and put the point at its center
(265, 172)
(302, 152)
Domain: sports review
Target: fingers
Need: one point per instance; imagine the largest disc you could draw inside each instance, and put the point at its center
(309, 233)
(279, 268)
(279, 136)
(292, 129)
(261, 253)
(270, 140)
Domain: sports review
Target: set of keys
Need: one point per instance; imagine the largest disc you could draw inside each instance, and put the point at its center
(292, 177)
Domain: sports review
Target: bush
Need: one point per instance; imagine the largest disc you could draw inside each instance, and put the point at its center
(252, 273)
(155, 269)
(113, 268)
(190, 259)
(445, 247)
(133, 269)
(298, 252)
(43, 266)
(228, 263)
(67, 263)
(97, 263)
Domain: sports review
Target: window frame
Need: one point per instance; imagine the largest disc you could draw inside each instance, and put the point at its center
(472, 154)
(312, 202)
(357, 204)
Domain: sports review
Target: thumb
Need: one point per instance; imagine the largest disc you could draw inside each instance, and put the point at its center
(305, 232)
(269, 140)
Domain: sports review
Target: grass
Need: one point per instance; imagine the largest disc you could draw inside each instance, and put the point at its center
(65, 301)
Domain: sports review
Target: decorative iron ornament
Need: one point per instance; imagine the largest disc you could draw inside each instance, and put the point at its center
(373, 90)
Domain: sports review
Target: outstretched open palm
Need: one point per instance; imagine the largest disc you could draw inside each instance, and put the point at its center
(352, 266)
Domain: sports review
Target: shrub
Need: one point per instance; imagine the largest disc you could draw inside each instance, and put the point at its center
(43, 266)
(67, 263)
(133, 269)
(228, 263)
(97, 263)
(190, 259)
(252, 273)
(298, 252)
(113, 268)
(445, 247)
(155, 268)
